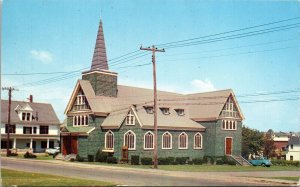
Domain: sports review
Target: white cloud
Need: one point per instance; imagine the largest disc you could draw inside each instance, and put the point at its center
(43, 56)
(202, 86)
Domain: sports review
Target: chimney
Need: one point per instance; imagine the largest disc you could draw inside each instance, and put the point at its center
(30, 98)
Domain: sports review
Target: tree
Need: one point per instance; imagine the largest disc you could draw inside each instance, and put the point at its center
(252, 141)
(269, 147)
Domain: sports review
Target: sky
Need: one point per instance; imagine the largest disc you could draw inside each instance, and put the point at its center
(58, 36)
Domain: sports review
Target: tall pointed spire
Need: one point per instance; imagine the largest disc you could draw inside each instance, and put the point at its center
(99, 57)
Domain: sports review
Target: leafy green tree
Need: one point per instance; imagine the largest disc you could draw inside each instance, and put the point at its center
(269, 147)
(252, 141)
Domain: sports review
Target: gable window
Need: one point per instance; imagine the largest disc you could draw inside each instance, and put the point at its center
(148, 140)
(12, 128)
(229, 125)
(80, 120)
(80, 99)
(44, 129)
(26, 116)
(109, 140)
(129, 140)
(183, 141)
(180, 112)
(130, 119)
(198, 141)
(165, 110)
(166, 141)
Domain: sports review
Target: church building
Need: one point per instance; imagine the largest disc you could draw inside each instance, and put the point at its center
(104, 116)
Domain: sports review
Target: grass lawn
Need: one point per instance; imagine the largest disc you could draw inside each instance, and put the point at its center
(203, 168)
(20, 178)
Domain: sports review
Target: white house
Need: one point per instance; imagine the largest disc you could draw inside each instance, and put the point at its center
(293, 149)
(34, 126)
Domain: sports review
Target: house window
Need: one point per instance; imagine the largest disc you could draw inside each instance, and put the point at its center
(291, 158)
(130, 119)
(12, 128)
(148, 140)
(183, 141)
(292, 146)
(180, 112)
(129, 140)
(80, 120)
(27, 130)
(229, 125)
(165, 111)
(80, 99)
(34, 130)
(198, 141)
(109, 140)
(149, 109)
(44, 129)
(166, 141)
(26, 116)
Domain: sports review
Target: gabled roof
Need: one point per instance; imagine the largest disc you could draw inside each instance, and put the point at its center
(99, 57)
(294, 140)
(77, 130)
(45, 112)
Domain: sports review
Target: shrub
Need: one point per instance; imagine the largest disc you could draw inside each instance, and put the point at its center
(13, 154)
(181, 160)
(219, 162)
(29, 155)
(212, 160)
(135, 159)
(79, 158)
(285, 163)
(55, 154)
(163, 161)
(146, 161)
(91, 158)
(205, 159)
(231, 162)
(197, 161)
(101, 156)
(190, 162)
(225, 159)
(170, 160)
(72, 160)
(112, 160)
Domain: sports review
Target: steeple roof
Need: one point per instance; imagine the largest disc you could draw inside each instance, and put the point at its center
(99, 57)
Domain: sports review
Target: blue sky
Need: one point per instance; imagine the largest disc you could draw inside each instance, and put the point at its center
(59, 36)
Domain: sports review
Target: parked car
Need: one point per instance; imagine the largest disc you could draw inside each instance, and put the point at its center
(262, 161)
(52, 151)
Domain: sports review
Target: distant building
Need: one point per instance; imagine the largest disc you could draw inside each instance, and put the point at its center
(293, 149)
(34, 126)
(104, 116)
(280, 141)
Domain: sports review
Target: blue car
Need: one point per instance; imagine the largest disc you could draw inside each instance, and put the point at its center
(262, 161)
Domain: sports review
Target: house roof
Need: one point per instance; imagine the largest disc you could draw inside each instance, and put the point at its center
(198, 107)
(294, 140)
(164, 121)
(43, 111)
(81, 129)
(99, 58)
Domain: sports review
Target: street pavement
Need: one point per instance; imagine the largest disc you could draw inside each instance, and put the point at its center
(147, 177)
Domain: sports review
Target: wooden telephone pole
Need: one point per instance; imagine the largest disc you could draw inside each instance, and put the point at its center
(154, 49)
(10, 89)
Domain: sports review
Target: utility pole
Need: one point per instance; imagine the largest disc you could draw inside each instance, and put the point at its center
(154, 49)
(10, 89)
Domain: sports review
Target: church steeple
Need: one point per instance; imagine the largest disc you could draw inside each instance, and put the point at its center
(99, 58)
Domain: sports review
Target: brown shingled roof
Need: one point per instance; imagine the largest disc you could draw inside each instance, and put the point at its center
(46, 114)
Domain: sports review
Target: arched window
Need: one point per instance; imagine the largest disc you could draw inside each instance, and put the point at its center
(166, 141)
(129, 140)
(198, 141)
(183, 141)
(130, 119)
(148, 140)
(109, 140)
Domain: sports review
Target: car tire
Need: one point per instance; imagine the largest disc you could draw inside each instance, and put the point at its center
(263, 165)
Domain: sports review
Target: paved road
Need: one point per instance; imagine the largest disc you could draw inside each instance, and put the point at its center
(142, 177)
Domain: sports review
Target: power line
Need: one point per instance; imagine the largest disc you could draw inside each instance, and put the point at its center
(232, 31)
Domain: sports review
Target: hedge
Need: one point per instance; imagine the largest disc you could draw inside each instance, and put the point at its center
(101, 156)
(285, 163)
(29, 155)
(197, 161)
(112, 160)
(135, 159)
(146, 161)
